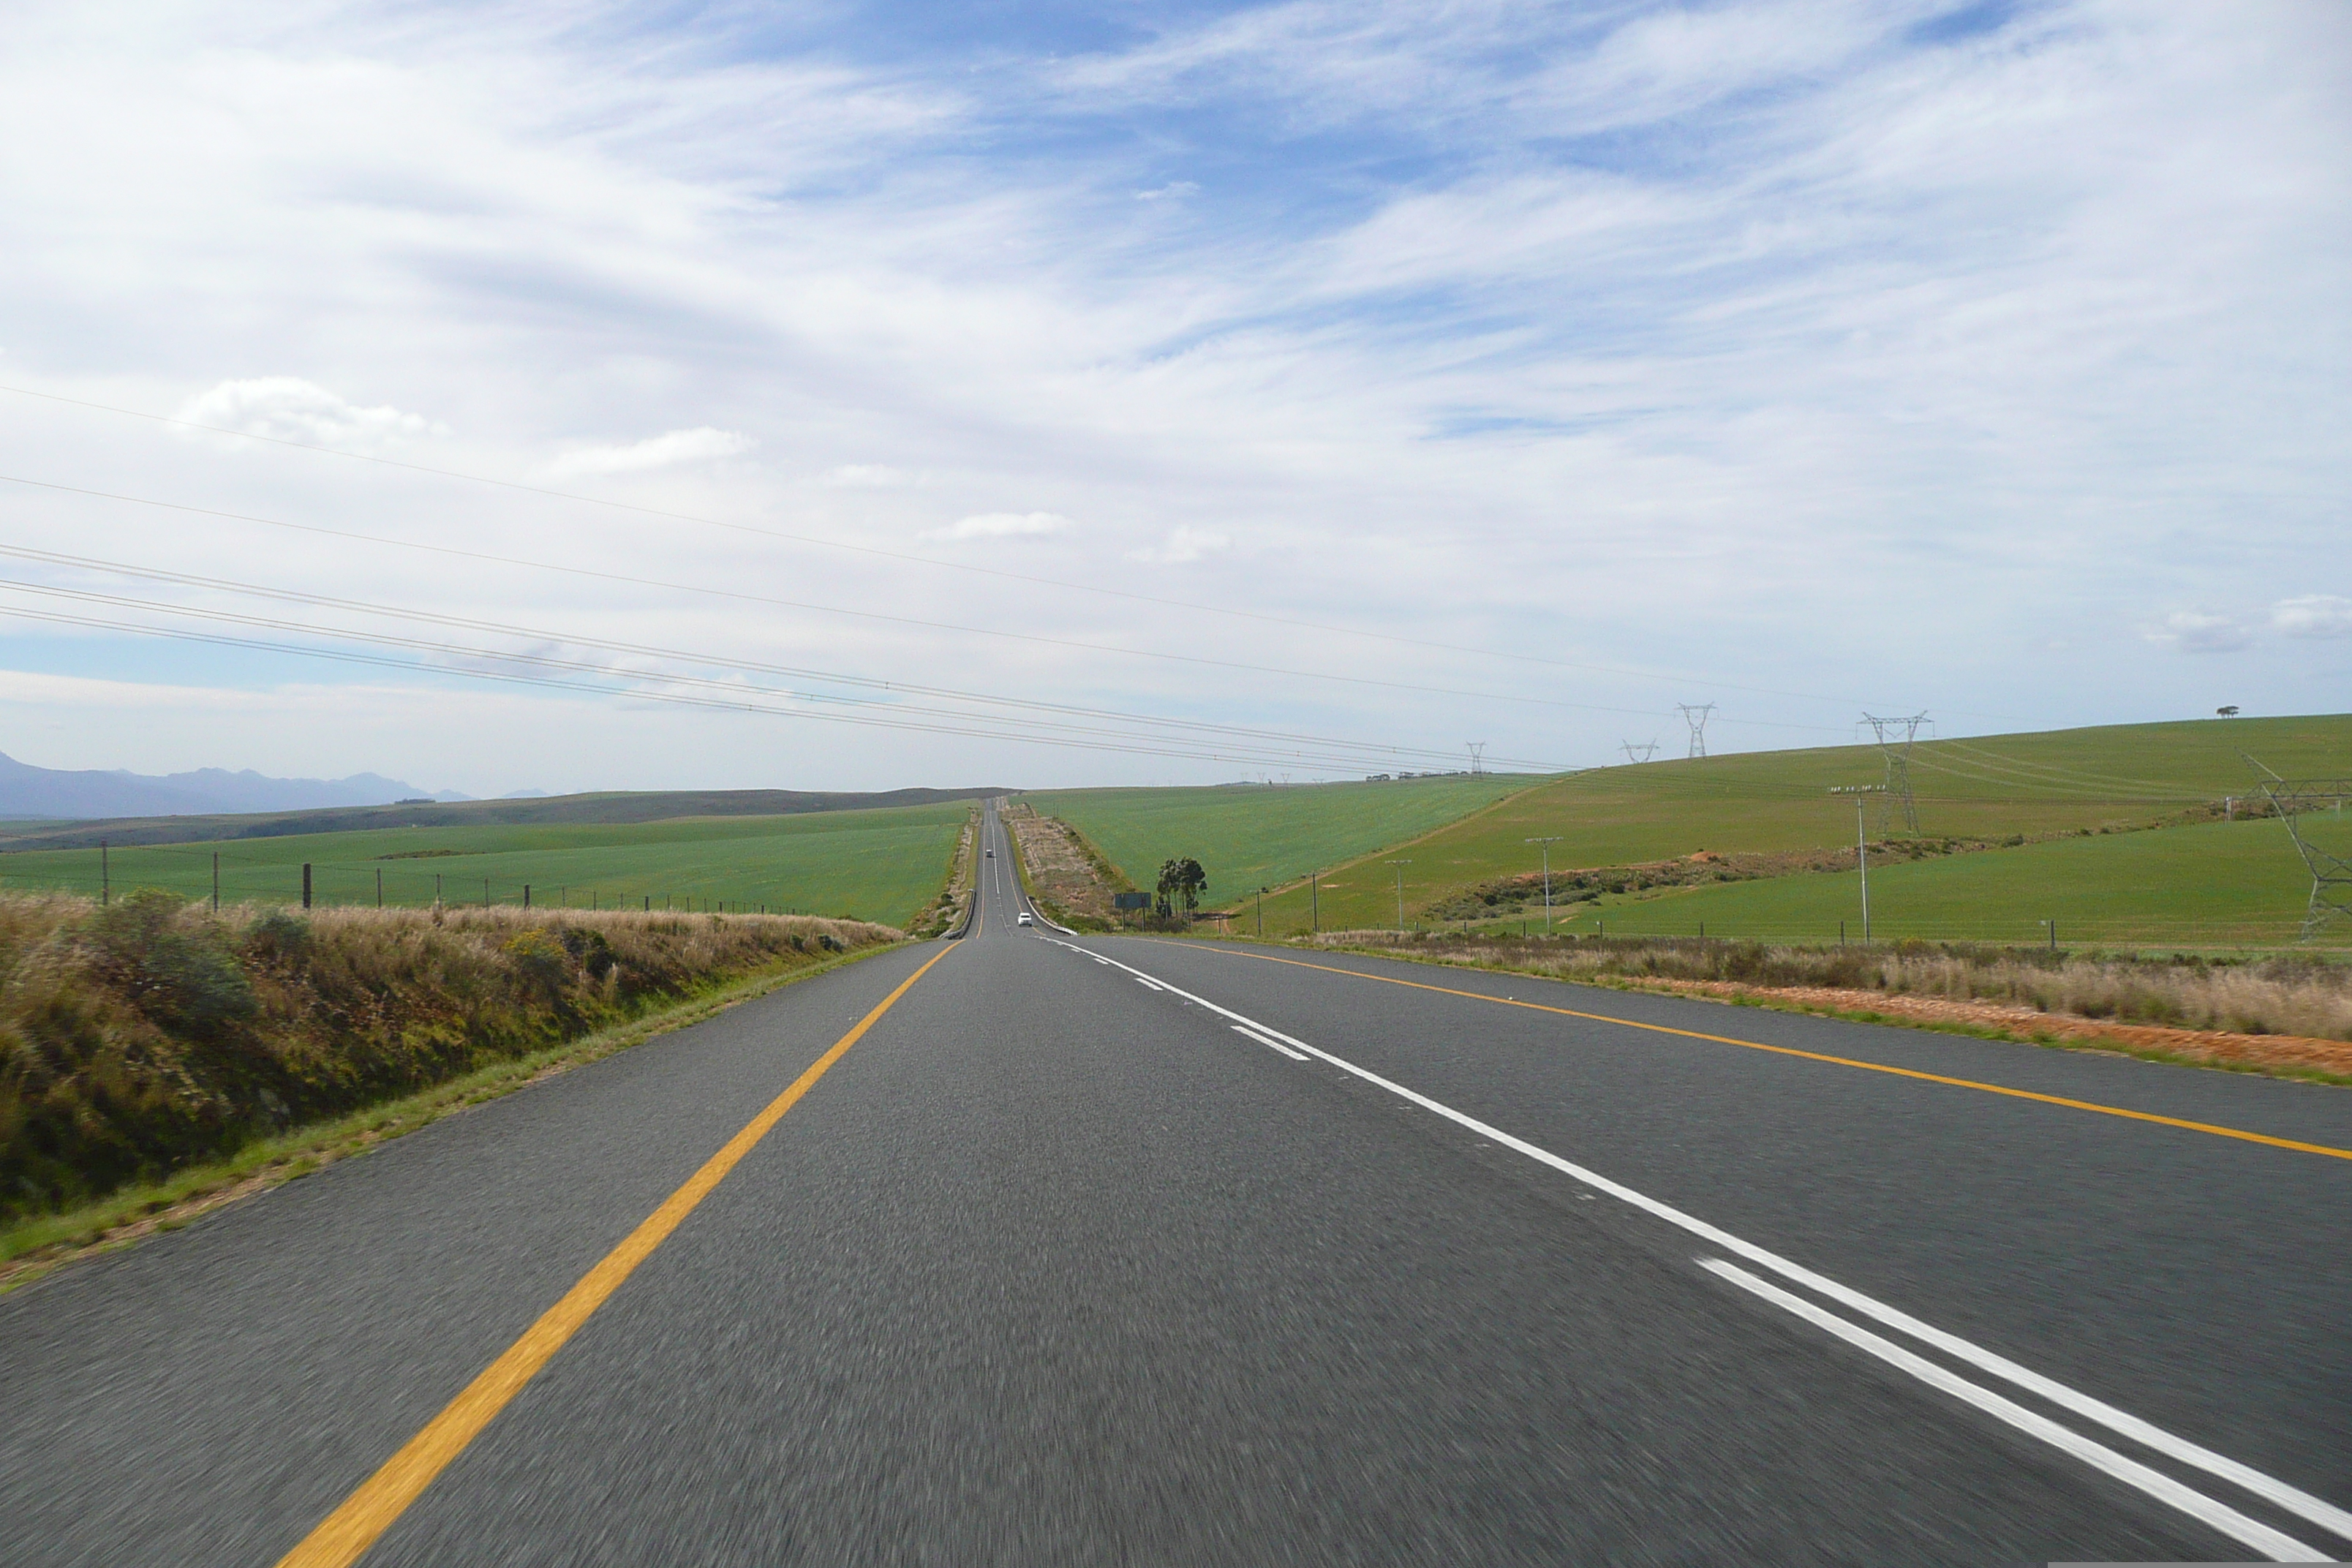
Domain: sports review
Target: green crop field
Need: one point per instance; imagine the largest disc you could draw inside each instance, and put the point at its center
(880, 864)
(2214, 885)
(1985, 789)
(1246, 836)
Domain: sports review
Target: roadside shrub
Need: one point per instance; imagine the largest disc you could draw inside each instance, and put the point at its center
(183, 979)
(2303, 993)
(147, 1033)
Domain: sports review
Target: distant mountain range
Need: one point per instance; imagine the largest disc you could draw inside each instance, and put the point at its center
(29, 791)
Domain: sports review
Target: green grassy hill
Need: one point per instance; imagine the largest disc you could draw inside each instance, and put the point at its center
(2214, 885)
(2242, 884)
(1251, 835)
(881, 865)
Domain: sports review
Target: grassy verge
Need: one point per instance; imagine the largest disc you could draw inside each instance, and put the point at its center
(2285, 1018)
(32, 1248)
(2049, 1040)
(145, 1035)
(1251, 835)
(1065, 877)
(946, 912)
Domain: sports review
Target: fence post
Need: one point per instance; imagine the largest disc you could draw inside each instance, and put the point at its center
(305, 884)
(526, 895)
(105, 877)
(215, 881)
(378, 887)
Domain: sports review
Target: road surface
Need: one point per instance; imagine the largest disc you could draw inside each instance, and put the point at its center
(1113, 1250)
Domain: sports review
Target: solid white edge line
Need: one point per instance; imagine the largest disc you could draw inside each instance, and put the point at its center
(2238, 1526)
(1270, 1042)
(2293, 1499)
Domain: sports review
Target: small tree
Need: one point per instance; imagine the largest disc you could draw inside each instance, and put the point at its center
(1182, 879)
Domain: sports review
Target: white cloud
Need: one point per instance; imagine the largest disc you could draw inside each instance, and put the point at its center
(2312, 616)
(1182, 545)
(2038, 310)
(698, 445)
(288, 409)
(1175, 190)
(1000, 525)
(870, 475)
(2192, 631)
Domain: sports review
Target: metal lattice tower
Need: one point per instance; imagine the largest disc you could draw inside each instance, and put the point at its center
(1697, 715)
(1477, 756)
(2331, 874)
(1895, 738)
(1648, 751)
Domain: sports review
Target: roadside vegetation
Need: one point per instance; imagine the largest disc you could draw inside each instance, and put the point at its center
(1069, 880)
(1252, 835)
(144, 1035)
(2136, 1001)
(946, 912)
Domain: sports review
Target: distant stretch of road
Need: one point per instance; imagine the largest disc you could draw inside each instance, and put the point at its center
(1034, 1247)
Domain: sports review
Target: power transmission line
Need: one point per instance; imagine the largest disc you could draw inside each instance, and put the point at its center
(1331, 756)
(1898, 801)
(744, 598)
(540, 633)
(675, 699)
(843, 545)
(1697, 716)
(2331, 874)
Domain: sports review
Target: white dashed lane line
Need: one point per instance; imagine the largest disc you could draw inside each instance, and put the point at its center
(2240, 1527)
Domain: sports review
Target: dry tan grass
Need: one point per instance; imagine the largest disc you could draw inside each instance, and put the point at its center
(1064, 876)
(2306, 997)
(139, 1037)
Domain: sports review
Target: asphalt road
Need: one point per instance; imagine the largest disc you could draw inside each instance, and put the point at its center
(1112, 1249)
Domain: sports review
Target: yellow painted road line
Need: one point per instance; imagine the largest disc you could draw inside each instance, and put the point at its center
(2217, 1132)
(345, 1535)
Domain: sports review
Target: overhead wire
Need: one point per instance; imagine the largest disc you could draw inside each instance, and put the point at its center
(737, 594)
(1255, 733)
(843, 545)
(2055, 770)
(1075, 736)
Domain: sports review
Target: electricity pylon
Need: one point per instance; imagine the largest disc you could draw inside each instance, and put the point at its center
(1648, 751)
(1895, 738)
(1696, 716)
(2331, 874)
(1477, 756)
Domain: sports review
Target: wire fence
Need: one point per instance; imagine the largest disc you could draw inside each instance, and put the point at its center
(401, 881)
(2186, 935)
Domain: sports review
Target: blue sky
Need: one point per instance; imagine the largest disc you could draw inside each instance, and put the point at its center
(1483, 372)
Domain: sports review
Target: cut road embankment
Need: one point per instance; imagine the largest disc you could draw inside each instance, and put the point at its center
(143, 1035)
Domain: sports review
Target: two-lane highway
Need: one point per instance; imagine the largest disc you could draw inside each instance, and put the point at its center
(1030, 1248)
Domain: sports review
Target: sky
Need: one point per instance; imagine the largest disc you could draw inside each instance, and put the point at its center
(852, 396)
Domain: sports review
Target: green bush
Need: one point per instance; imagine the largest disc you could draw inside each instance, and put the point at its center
(144, 1035)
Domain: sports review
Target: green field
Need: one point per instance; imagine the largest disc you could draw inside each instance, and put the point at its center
(1252, 836)
(2243, 884)
(881, 865)
(2214, 885)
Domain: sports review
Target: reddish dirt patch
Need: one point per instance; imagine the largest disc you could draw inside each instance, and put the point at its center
(2214, 1046)
(1060, 873)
